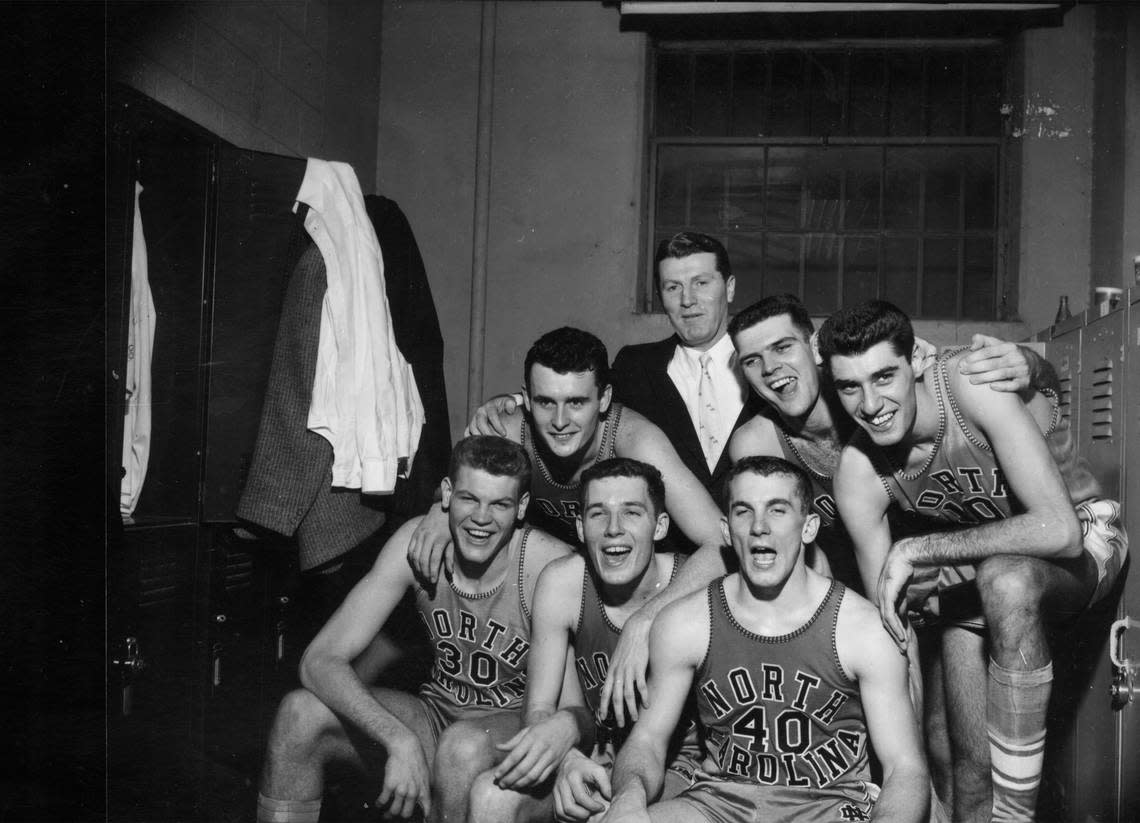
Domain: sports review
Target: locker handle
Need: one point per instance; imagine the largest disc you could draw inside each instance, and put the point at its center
(1114, 636)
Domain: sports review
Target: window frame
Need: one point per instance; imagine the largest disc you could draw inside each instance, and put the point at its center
(1004, 271)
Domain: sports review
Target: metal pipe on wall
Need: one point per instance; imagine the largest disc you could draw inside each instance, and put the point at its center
(477, 337)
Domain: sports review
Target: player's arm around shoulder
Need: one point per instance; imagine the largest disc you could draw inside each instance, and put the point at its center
(689, 503)
(756, 437)
(871, 658)
(541, 550)
(863, 504)
(1014, 430)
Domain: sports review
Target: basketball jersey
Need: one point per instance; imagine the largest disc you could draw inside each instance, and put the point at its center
(553, 505)
(595, 638)
(779, 712)
(962, 483)
(480, 641)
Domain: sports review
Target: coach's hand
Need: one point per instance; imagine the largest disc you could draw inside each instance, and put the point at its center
(995, 362)
(536, 751)
(625, 681)
(407, 781)
(488, 418)
(582, 788)
(430, 546)
(893, 581)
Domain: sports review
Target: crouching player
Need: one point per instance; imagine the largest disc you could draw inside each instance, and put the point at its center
(794, 676)
(581, 604)
(432, 745)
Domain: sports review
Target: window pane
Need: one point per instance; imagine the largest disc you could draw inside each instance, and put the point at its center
(979, 171)
(984, 77)
(750, 74)
(711, 95)
(940, 278)
(867, 109)
(785, 180)
(823, 191)
(900, 273)
(744, 207)
(746, 252)
(672, 190)
(828, 86)
(943, 197)
(788, 97)
(674, 89)
(901, 189)
(860, 269)
(782, 264)
(905, 95)
(944, 98)
(978, 280)
(862, 169)
(821, 273)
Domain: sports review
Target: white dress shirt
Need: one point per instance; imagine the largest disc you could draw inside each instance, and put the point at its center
(685, 372)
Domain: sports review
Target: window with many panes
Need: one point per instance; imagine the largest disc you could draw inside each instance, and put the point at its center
(837, 173)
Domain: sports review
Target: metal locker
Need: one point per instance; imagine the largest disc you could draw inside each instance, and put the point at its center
(1128, 717)
(1064, 352)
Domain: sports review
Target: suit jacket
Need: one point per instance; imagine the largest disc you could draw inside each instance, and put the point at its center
(289, 488)
(640, 381)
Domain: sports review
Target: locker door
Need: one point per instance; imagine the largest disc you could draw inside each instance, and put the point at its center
(1128, 718)
(1100, 435)
(252, 262)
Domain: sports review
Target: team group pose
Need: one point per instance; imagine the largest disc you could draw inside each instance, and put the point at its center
(610, 644)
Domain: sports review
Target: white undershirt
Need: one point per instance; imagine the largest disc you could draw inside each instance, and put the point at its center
(685, 372)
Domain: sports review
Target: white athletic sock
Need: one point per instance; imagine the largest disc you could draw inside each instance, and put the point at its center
(272, 810)
(1016, 704)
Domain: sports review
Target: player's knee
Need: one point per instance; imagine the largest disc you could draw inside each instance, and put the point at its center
(301, 722)
(1007, 583)
(490, 804)
(464, 747)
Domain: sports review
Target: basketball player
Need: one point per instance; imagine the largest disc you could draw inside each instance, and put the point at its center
(795, 679)
(582, 602)
(432, 745)
(1025, 530)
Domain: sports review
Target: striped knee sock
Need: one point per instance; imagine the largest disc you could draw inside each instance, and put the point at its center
(1016, 703)
(271, 810)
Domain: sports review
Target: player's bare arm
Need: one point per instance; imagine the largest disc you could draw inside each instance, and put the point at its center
(326, 670)
(868, 655)
(677, 645)
(555, 718)
(692, 508)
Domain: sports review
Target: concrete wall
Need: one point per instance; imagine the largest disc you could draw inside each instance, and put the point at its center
(296, 78)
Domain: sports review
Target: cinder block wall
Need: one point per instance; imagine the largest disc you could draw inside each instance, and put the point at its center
(297, 78)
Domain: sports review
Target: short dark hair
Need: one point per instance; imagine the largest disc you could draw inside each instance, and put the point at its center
(766, 466)
(626, 467)
(685, 244)
(494, 455)
(567, 351)
(773, 306)
(855, 330)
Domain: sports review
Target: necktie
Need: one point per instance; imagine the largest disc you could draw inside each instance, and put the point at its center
(708, 418)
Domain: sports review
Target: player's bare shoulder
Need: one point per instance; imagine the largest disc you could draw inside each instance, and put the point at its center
(758, 436)
(541, 550)
(860, 639)
(683, 626)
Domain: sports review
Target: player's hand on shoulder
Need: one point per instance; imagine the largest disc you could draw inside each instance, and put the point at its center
(1001, 365)
(491, 417)
(429, 547)
(582, 788)
(407, 779)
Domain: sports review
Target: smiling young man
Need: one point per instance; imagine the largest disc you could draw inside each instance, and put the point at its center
(569, 423)
(795, 681)
(1026, 534)
(581, 604)
(432, 745)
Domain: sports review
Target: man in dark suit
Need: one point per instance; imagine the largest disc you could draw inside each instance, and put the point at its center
(689, 384)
